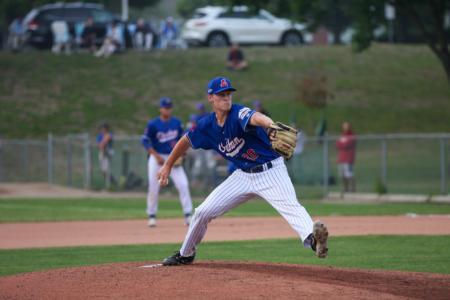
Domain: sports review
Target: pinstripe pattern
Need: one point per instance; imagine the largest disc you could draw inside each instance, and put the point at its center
(179, 179)
(273, 185)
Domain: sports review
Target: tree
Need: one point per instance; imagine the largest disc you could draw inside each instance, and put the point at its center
(428, 16)
(333, 14)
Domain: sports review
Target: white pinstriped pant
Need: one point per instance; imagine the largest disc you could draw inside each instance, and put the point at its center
(179, 179)
(273, 185)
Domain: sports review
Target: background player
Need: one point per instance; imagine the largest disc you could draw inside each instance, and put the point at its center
(104, 142)
(160, 136)
(238, 133)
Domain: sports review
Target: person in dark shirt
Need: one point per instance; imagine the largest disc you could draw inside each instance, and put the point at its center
(89, 35)
(236, 60)
(143, 35)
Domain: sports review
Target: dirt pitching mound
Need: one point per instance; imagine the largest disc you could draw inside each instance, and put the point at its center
(222, 280)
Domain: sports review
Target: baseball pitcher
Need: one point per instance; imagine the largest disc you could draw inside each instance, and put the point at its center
(257, 147)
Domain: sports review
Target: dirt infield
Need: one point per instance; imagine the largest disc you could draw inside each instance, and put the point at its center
(222, 280)
(61, 234)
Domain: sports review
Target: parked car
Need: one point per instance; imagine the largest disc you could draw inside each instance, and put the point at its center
(38, 21)
(217, 26)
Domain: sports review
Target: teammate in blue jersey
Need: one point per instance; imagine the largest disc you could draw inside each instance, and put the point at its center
(238, 134)
(160, 136)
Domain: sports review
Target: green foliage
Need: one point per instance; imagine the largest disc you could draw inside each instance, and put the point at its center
(367, 15)
(313, 90)
(385, 252)
(332, 14)
(186, 7)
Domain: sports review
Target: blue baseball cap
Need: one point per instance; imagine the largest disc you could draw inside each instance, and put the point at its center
(165, 102)
(219, 84)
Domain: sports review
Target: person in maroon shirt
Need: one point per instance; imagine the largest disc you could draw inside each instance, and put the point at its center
(346, 147)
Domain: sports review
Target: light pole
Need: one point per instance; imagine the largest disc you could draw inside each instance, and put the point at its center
(389, 13)
(124, 10)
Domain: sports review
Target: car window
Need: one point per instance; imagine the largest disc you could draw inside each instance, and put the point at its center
(101, 16)
(261, 17)
(77, 14)
(50, 15)
(30, 16)
(198, 15)
(235, 15)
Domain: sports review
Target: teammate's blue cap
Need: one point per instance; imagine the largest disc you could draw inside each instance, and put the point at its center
(165, 102)
(220, 84)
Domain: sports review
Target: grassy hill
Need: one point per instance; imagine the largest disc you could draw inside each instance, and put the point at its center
(385, 89)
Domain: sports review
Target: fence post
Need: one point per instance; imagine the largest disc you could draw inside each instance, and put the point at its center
(69, 160)
(443, 147)
(24, 159)
(384, 162)
(87, 162)
(50, 158)
(325, 165)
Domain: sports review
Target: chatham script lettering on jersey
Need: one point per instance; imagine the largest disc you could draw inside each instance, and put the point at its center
(232, 147)
(167, 136)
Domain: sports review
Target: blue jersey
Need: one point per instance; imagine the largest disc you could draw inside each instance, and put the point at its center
(162, 135)
(237, 141)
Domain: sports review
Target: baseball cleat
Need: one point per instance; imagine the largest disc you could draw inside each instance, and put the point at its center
(152, 222)
(320, 235)
(177, 259)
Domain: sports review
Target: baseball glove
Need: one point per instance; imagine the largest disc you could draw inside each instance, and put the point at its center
(178, 162)
(283, 139)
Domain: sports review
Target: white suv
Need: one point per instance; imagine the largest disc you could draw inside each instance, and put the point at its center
(217, 26)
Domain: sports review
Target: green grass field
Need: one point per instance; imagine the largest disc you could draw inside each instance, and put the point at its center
(385, 89)
(407, 253)
(39, 210)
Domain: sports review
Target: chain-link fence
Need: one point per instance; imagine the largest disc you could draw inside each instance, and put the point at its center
(393, 163)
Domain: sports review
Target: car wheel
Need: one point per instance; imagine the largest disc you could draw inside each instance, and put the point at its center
(292, 38)
(217, 39)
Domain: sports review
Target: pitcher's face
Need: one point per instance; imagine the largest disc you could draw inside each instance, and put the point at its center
(221, 101)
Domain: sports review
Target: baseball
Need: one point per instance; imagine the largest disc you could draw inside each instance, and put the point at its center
(163, 182)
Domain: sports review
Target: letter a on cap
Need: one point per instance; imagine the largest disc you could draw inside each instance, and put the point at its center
(223, 83)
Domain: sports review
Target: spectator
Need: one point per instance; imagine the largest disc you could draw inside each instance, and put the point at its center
(346, 147)
(61, 37)
(104, 142)
(89, 35)
(143, 35)
(236, 60)
(258, 106)
(169, 34)
(113, 41)
(16, 34)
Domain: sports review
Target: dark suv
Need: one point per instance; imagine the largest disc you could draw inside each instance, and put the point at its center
(38, 21)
